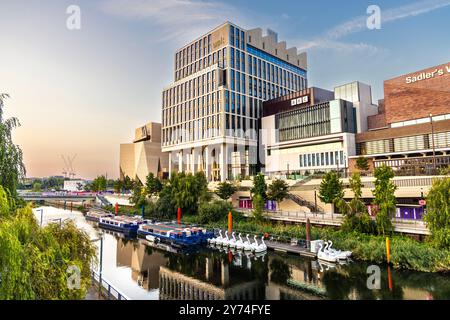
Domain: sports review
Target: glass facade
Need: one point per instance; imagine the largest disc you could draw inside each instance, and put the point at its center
(237, 73)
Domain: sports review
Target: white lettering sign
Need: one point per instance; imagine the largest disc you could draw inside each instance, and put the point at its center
(300, 100)
(427, 75)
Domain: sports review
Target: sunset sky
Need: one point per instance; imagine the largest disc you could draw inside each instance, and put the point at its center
(84, 91)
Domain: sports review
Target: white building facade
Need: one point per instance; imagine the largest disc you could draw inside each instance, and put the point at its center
(211, 114)
(313, 134)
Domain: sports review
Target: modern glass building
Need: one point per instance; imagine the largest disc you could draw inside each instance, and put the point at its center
(211, 113)
(316, 130)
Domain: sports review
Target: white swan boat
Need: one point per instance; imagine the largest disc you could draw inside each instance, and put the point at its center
(322, 254)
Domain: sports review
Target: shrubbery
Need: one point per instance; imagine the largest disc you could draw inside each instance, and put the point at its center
(213, 211)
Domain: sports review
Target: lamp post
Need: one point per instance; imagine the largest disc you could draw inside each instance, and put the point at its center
(101, 261)
(315, 200)
(432, 139)
(42, 214)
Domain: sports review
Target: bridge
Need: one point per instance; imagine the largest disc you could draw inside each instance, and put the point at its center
(42, 196)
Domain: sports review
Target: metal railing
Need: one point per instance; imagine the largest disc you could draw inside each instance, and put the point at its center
(108, 290)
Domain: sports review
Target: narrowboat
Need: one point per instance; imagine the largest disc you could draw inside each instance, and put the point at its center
(202, 233)
(96, 215)
(124, 224)
(168, 234)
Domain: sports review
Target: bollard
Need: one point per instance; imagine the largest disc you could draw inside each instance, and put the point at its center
(388, 250)
(230, 223)
(179, 216)
(117, 208)
(308, 233)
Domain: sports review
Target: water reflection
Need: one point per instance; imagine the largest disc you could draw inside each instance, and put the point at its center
(144, 271)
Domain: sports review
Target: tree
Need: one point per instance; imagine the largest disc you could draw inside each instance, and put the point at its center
(259, 186)
(362, 163)
(438, 212)
(215, 211)
(278, 191)
(37, 187)
(258, 207)
(331, 189)
(118, 186)
(12, 169)
(225, 190)
(139, 196)
(152, 185)
(355, 212)
(34, 261)
(384, 198)
(99, 184)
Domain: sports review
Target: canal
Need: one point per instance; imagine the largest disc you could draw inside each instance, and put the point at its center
(141, 271)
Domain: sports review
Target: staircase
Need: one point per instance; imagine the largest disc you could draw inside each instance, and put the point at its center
(302, 202)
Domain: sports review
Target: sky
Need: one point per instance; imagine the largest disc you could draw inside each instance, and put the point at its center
(83, 92)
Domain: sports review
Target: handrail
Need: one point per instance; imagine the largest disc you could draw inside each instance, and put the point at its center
(111, 290)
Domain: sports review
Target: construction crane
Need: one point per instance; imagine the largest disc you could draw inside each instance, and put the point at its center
(68, 170)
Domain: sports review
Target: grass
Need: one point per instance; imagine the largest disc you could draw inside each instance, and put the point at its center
(406, 253)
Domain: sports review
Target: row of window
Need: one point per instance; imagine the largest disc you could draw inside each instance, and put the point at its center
(404, 144)
(218, 57)
(322, 159)
(236, 104)
(191, 89)
(192, 109)
(277, 61)
(304, 123)
(237, 38)
(237, 126)
(205, 128)
(195, 51)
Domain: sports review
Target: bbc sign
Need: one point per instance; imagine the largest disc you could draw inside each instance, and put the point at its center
(300, 100)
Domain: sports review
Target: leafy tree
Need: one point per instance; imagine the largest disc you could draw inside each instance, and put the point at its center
(37, 187)
(259, 186)
(99, 184)
(331, 189)
(12, 169)
(225, 190)
(213, 212)
(362, 163)
(139, 196)
(34, 261)
(445, 171)
(4, 203)
(355, 212)
(278, 191)
(438, 212)
(258, 207)
(118, 186)
(186, 192)
(384, 198)
(152, 185)
(165, 207)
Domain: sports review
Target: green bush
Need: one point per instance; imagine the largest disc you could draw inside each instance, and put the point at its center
(213, 211)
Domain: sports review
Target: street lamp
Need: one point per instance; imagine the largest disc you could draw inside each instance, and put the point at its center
(101, 260)
(315, 200)
(42, 214)
(432, 139)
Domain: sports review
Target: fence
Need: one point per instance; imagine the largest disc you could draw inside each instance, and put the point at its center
(108, 291)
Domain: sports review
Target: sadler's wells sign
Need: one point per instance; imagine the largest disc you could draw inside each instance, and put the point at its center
(428, 75)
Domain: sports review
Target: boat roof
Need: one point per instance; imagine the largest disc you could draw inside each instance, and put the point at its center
(125, 218)
(160, 228)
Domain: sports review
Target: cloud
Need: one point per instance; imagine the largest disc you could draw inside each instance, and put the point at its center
(177, 20)
(329, 39)
(358, 24)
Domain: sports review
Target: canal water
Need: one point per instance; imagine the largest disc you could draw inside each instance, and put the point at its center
(142, 271)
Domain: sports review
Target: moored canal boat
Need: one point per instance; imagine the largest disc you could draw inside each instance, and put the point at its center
(125, 224)
(170, 234)
(95, 216)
